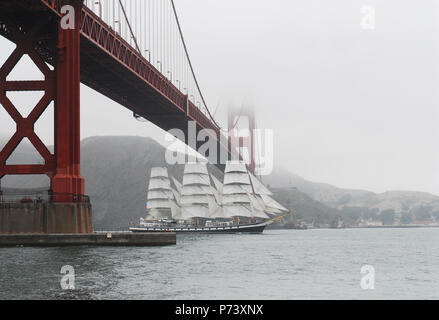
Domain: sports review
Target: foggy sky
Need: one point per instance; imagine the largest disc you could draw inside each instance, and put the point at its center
(351, 107)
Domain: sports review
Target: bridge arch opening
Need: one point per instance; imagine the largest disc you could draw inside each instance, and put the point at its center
(44, 127)
(25, 184)
(25, 153)
(8, 127)
(25, 101)
(7, 48)
(25, 69)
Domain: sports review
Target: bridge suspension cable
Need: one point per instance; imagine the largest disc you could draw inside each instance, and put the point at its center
(153, 28)
(191, 67)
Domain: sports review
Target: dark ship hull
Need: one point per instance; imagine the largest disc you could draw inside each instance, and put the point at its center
(242, 228)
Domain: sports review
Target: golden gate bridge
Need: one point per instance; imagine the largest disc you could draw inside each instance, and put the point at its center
(132, 52)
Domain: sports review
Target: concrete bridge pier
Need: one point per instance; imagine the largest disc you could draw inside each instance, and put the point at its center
(41, 222)
(45, 218)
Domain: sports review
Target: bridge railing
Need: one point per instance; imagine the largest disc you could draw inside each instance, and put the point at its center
(115, 28)
(41, 197)
(110, 41)
(151, 29)
(144, 35)
(196, 114)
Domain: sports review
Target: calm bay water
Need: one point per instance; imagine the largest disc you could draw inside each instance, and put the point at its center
(278, 264)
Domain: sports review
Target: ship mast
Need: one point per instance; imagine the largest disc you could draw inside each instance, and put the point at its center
(245, 196)
(161, 196)
(236, 190)
(197, 194)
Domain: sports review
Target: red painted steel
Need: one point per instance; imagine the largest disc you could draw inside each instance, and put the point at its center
(25, 125)
(67, 179)
(108, 64)
(55, 5)
(102, 35)
(62, 86)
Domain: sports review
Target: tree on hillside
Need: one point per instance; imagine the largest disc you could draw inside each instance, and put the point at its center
(406, 218)
(387, 217)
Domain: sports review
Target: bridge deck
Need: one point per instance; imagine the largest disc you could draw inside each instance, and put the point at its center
(111, 66)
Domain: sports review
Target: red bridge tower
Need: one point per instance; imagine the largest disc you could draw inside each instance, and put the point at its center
(66, 209)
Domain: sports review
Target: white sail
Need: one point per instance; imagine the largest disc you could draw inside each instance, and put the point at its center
(195, 167)
(159, 183)
(217, 183)
(236, 188)
(255, 203)
(236, 178)
(258, 186)
(195, 179)
(273, 212)
(218, 196)
(244, 195)
(262, 203)
(259, 214)
(196, 192)
(178, 185)
(215, 209)
(158, 204)
(177, 195)
(216, 212)
(258, 207)
(231, 211)
(217, 191)
(209, 190)
(159, 172)
(160, 194)
(193, 211)
(175, 211)
(259, 204)
(271, 203)
(235, 198)
(235, 166)
(195, 199)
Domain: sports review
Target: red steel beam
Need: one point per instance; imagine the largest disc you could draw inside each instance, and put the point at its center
(25, 125)
(103, 36)
(67, 179)
(62, 86)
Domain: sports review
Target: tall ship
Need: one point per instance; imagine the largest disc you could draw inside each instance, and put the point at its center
(201, 203)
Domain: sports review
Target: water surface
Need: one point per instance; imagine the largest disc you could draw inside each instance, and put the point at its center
(278, 264)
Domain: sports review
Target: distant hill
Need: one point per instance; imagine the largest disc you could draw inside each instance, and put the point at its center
(322, 192)
(405, 206)
(116, 170)
(306, 209)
